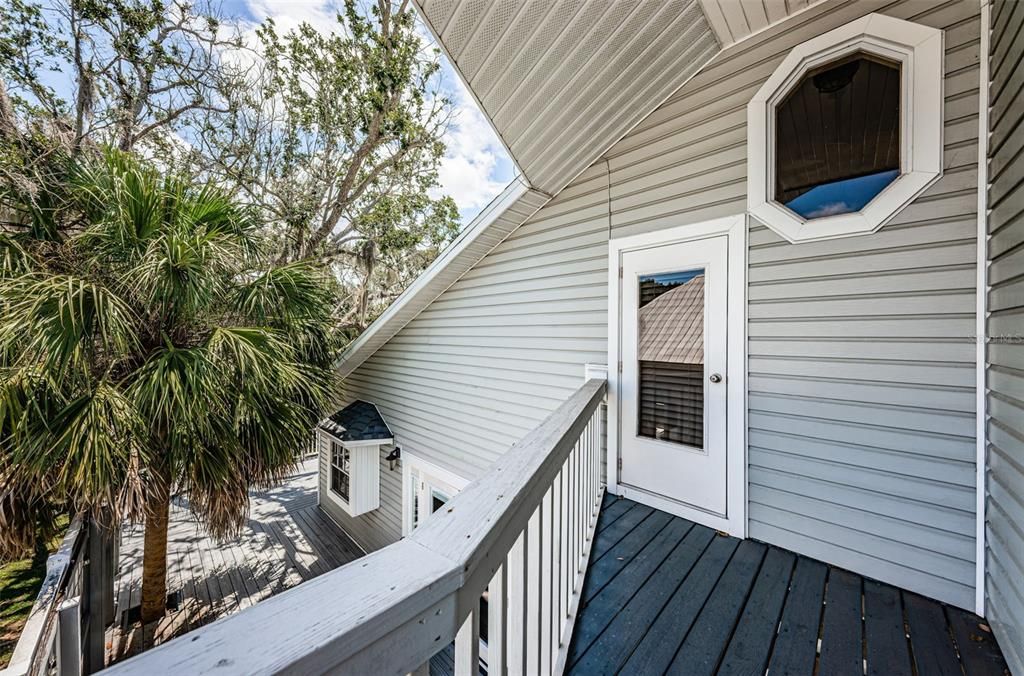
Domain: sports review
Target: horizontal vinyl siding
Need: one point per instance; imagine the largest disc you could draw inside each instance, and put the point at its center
(1005, 507)
(374, 529)
(861, 362)
(861, 365)
(503, 346)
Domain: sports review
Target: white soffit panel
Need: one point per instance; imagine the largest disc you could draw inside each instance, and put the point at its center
(734, 20)
(562, 80)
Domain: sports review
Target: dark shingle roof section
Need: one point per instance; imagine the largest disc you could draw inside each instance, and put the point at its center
(359, 421)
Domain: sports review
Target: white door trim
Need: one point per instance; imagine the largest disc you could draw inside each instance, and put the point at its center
(735, 521)
(414, 464)
(981, 327)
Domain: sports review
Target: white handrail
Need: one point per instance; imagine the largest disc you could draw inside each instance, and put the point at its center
(523, 530)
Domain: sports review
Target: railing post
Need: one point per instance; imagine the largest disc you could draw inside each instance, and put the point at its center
(516, 625)
(69, 638)
(98, 580)
(467, 646)
(497, 627)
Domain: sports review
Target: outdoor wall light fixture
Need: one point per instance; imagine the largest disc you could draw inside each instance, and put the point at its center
(393, 457)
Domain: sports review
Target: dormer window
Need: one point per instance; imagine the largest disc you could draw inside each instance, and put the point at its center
(847, 130)
(353, 438)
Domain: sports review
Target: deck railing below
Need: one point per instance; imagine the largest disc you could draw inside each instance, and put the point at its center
(522, 532)
(64, 631)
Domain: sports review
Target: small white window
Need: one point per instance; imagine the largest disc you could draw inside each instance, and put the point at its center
(847, 130)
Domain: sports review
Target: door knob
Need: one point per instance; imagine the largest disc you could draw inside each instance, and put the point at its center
(715, 378)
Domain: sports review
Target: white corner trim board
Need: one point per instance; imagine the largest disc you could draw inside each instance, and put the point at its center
(981, 322)
(919, 51)
(735, 227)
(417, 467)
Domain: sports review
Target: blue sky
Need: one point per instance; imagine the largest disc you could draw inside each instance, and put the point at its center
(841, 197)
(476, 166)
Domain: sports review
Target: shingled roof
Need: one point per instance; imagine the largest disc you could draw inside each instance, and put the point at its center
(359, 421)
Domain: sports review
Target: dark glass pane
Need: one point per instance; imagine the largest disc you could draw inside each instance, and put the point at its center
(837, 137)
(415, 505)
(340, 470)
(671, 358)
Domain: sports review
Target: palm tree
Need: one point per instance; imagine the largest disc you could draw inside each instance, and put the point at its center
(147, 347)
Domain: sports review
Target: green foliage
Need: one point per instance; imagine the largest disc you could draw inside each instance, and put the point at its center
(336, 140)
(156, 339)
(142, 69)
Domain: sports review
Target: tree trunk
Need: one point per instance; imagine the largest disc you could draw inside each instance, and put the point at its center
(154, 552)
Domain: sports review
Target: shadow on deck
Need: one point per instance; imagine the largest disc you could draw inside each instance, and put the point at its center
(665, 595)
(288, 540)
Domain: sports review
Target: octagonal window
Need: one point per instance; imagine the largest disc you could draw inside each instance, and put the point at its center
(838, 137)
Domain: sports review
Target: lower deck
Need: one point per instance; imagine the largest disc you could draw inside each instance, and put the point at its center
(287, 540)
(666, 595)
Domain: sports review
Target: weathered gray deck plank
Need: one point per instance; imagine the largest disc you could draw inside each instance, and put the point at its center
(286, 540)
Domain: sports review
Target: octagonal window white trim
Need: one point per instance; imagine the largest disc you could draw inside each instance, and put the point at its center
(919, 52)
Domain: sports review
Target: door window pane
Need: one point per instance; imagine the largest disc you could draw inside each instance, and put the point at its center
(671, 356)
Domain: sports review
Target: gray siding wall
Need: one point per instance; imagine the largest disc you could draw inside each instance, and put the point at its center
(502, 347)
(861, 365)
(1005, 508)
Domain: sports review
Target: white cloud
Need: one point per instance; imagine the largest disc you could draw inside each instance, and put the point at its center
(470, 171)
(288, 14)
(830, 209)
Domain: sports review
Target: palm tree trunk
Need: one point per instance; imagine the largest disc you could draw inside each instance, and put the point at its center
(154, 552)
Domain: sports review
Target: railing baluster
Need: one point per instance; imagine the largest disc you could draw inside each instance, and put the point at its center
(560, 566)
(497, 627)
(544, 608)
(467, 646)
(69, 638)
(570, 570)
(565, 564)
(581, 503)
(516, 640)
(596, 461)
(549, 579)
(531, 617)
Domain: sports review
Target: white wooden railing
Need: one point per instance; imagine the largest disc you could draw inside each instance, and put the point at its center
(522, 532)
(64, 631)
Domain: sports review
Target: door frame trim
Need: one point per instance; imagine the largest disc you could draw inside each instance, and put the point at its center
(735, 227)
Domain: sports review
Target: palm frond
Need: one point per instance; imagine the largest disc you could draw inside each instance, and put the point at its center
(14, 258)
(287, 295)
(62, 320)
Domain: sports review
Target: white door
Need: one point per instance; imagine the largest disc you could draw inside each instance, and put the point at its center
(672, 385)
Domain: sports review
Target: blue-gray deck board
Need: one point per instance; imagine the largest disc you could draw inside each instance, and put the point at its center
(666, 595)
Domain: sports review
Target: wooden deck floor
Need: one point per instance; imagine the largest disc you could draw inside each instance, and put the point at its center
(288, 540)
(664, 595)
